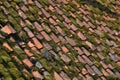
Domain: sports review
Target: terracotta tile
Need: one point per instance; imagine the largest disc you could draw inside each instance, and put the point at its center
(64, 76)
(27, 62)
(51, 2)
(85, 18)
(52, 21)
(24, 8)
(45, 13)
(5, 44)
(78, 50)
(28, 53)
(62, 39)
(109, 71)
(67, 20)
(22, 23)
(85, 51)
(91, 25)
(86, 24)
(79, 22)
(70, 41)
(35, 49)
(72, 14)
(73, 27)
(36, 74)
(30, 44)
(111, 36)
(104, 65)
(66, 25)
(51, 8)
(54, 17)
(55, 38)
(84, 71)
(76, 4)
(104, 72)
(58, 11)
(65, 49)
(60, 31)
(39, 36)
(90, 45)
(87, 60)
(37, 43)
(22, 14)
(30, 34)
(118, 63)
(103, 78)
(8, 29)
(47, 46)
(38, 27)
(46, 36)
(97, 70)
(100, 56)
(30, 2)
(65, 58)
(46, 28)
(89, 77)
(81, 36)
(81, 59)
(38, 4)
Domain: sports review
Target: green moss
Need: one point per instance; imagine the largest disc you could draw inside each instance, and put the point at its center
(112, 77)
(48, 77)
(27, 75)
(6, 59)
(97, 64)
(73, 71)
(13, 4)
(46, 64)
(13, 12)
(95, 76)
(67, 7)
(79, 17)
(91, 39)
(17, 1)
(42, 3)
(11, 65)
(23, 36)
(107, 60)
(56, 67)
(2, 18)
(5, 73)
(31, 18)
(8, 78)
(74, 21)
(21, 78)
(4, 55)
(6, 4)
(34, 9)
(11, 20)
(78, 42)
(117, 67)
(3, 33)
(80, 65)
(15, 72)
(18, 50)
(73, 6)
(73, 54)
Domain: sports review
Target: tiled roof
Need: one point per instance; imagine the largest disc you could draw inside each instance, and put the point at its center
(60, 39)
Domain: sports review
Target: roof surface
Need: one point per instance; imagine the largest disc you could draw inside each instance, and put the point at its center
(60, 39)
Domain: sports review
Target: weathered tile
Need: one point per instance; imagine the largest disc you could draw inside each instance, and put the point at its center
(46, 36)
(81, 36)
